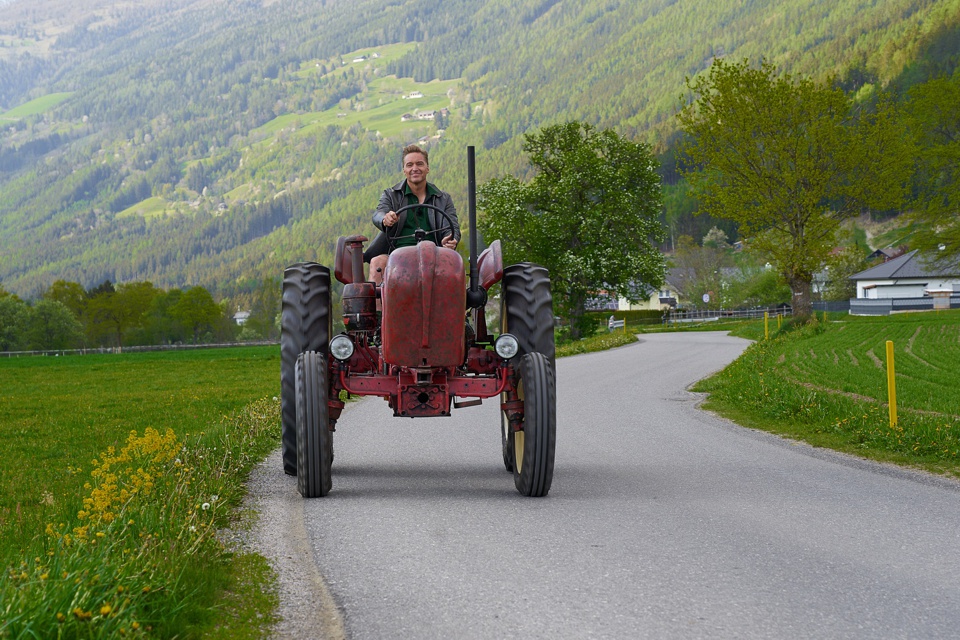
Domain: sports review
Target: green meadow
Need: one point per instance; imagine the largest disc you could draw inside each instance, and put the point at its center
(38, 105)
(826, 383)
(116, 473)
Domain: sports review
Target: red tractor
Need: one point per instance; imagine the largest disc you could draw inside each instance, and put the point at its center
(421, 353)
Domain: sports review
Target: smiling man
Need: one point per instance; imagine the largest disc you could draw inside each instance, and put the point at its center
(397, 230)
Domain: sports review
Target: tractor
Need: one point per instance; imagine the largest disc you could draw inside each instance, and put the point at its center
(428, 349)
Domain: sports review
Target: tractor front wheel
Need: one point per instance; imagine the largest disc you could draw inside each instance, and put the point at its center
(535, 445)
(314, 438)
(304, 326)
(526, 311)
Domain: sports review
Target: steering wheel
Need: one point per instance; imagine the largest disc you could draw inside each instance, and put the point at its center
(421, 234)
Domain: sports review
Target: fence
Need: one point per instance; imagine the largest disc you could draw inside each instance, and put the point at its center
(886, 306)
(832, 305)
(135, 349)
(713, 315)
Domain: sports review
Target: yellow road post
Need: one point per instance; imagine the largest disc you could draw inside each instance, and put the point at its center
(891, 385)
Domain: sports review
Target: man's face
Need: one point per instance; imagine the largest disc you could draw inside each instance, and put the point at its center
(415, 168)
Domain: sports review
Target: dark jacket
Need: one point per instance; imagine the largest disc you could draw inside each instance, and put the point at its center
(393, 199)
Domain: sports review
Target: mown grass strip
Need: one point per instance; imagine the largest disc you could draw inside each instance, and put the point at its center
(599, 342)
(820, 384)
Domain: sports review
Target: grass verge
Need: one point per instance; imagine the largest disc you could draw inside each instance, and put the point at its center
(825, 384)
(597, 342)
(122, 541)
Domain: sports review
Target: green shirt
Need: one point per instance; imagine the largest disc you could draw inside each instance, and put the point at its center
(416, 218)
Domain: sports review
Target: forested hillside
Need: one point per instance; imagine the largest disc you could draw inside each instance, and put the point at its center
(206, 142)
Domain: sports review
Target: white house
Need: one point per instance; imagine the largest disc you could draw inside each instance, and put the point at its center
(241, 317)
(907, 276)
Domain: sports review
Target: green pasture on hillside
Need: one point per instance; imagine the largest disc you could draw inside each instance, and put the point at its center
(38, 105)
(149, 208)
(387, 53)
(383, 101)
(381, 111)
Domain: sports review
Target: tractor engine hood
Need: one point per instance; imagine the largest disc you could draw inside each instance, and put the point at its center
(424, 304)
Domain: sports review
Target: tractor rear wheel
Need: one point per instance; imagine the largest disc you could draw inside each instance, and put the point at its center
(305, 325)
(314, 438)
(526, 311)
(535, 446)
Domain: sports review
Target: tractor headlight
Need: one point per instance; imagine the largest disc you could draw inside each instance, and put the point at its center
(506, 346)
(341, 347)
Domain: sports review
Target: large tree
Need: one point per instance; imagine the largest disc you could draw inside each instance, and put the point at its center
(934, 116)
(53, 326)
(113, 311)
(589, 215)
(197, 311)
(70, 294)
(14, 318)
(789, 159)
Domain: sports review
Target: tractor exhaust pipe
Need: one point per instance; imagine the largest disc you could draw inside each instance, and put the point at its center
(476, 297)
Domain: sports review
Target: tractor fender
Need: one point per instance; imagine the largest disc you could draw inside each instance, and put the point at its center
(490, 265)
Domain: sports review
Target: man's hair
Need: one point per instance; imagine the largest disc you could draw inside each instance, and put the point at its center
(413, 148)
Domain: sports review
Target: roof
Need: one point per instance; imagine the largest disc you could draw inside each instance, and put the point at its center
(887, 254)
(909, 265)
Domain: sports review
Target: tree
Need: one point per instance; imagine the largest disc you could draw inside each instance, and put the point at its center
(935, 121)
(115, 313)
(840, 266)
(14, 316)
(160, 327)
(70, 294)
(700, 270)
(756, 286)
(53, 326)
(197, 311)
(265, 309)
(589, 215)
(789, 159)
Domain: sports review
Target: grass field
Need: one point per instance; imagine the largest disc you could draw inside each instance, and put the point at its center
(66, 426)
(38, 105)
(150, 208)
(826, 384)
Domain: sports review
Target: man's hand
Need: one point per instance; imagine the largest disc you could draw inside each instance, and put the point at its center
(390, 218)
(449, 242)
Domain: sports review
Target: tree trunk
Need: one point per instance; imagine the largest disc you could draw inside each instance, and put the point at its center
(576, 307)
(802, 289)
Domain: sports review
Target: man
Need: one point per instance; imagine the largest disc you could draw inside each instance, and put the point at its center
(414, 189)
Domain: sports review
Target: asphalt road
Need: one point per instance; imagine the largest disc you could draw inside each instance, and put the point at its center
(663, 522)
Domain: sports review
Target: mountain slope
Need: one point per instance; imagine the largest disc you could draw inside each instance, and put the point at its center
(211, 142)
